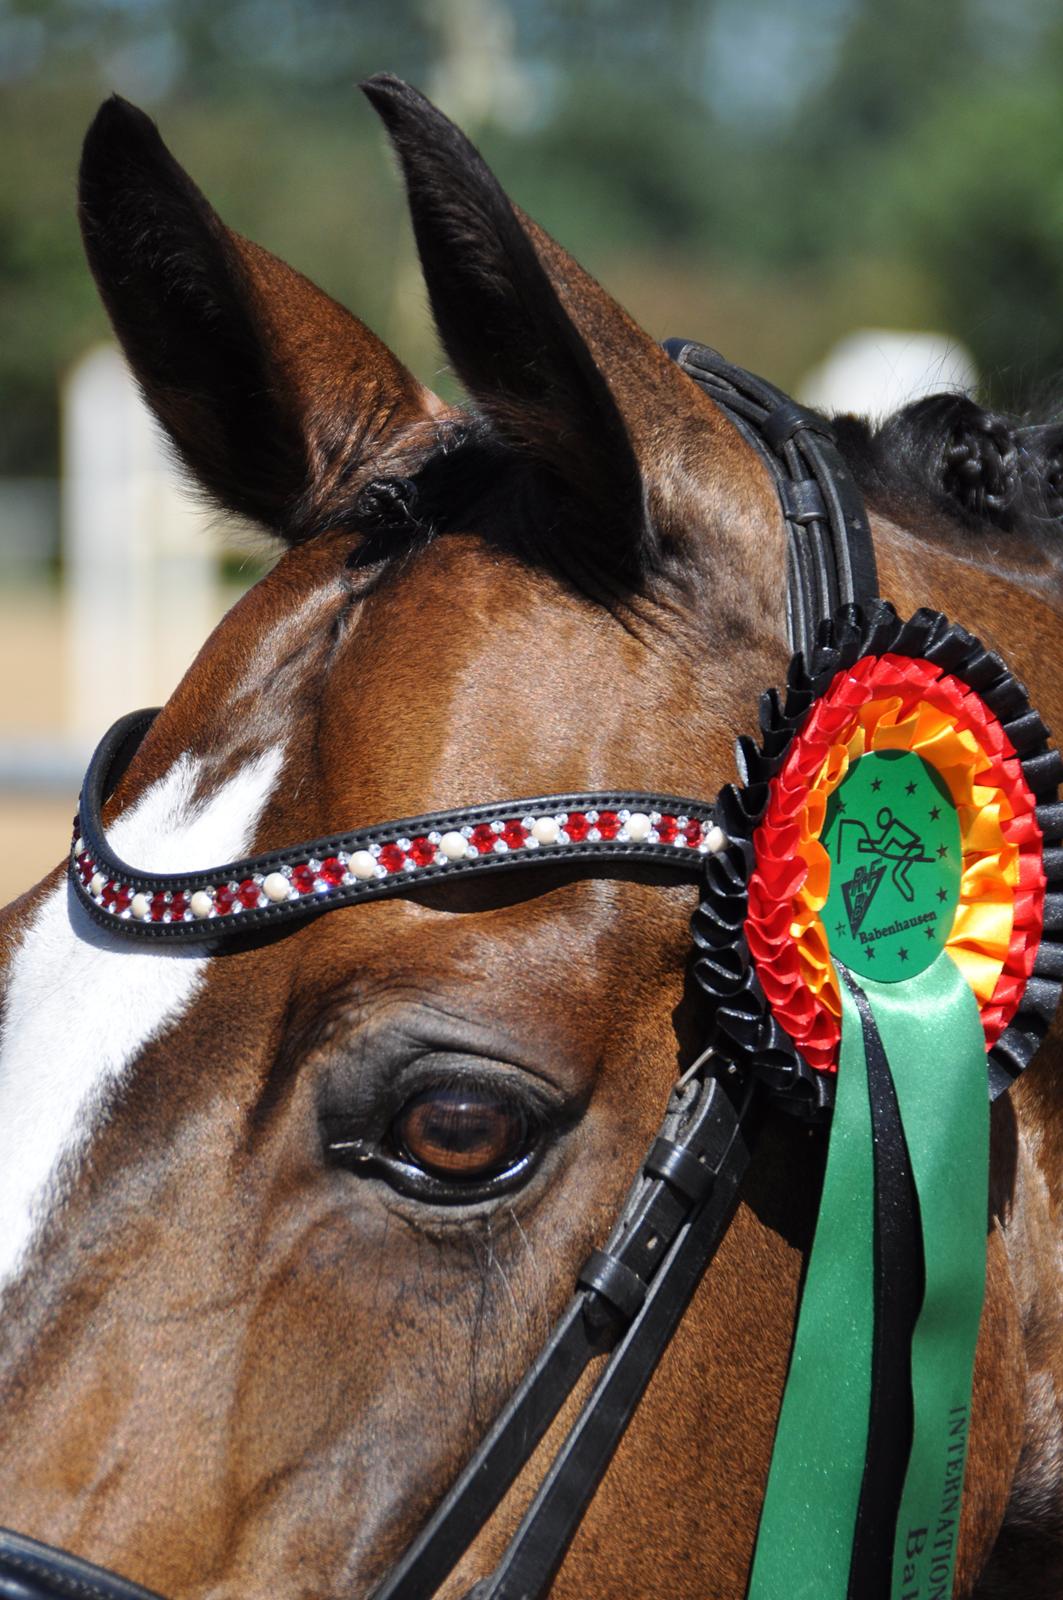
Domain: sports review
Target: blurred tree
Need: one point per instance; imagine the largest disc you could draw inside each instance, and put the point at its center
(753, 172)
(979, 185)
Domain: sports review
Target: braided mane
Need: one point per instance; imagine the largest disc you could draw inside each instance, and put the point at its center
(985, 468)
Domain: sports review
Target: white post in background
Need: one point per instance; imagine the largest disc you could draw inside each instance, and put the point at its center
(141, 588)
(875, 371)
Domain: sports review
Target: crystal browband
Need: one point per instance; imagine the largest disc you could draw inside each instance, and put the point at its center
(388, 859)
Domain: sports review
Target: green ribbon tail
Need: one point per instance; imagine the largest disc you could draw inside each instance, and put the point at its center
(807, 1522)
(933, 1038)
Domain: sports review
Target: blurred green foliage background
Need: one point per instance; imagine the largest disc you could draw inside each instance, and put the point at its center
(760, 174)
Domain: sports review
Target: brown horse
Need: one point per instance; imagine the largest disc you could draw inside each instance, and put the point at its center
(232, 1368)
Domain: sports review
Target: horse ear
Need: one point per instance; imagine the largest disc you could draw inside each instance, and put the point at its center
(557, 364)
(278, 400)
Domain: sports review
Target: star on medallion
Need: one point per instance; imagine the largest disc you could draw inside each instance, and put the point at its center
(943, 895)
(935, 812)
(839, 807)
(943, 851)
(902, 954)
(930, 932)
(870, 952)
(839, 928)
(909, 788)
(876, 785)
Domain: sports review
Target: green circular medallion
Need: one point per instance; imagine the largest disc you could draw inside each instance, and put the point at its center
(893, 838)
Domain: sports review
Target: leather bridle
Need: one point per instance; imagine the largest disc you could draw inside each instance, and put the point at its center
(631, 1293)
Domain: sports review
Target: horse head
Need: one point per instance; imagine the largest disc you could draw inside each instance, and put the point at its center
(231, 1361)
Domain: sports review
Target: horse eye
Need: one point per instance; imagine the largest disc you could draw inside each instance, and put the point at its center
(460, 1132)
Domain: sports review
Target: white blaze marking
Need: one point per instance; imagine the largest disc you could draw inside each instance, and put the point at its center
(82, 1004)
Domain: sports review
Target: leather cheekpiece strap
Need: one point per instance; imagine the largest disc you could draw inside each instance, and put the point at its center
(678, 1167)
(662, 1241)
(831, 560)
(536, 1551)
(608, 1276)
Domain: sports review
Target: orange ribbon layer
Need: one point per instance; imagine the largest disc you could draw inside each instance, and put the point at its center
(896, 703)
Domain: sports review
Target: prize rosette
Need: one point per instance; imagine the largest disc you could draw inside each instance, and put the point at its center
(831, 856)
(880, 941)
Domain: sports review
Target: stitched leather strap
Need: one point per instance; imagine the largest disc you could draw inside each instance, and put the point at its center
(831, 559)
(33, 1571)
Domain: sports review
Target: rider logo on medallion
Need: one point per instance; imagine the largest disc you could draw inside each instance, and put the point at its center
(893, 837)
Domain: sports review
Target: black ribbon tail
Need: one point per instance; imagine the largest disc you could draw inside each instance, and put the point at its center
(898, 1296)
